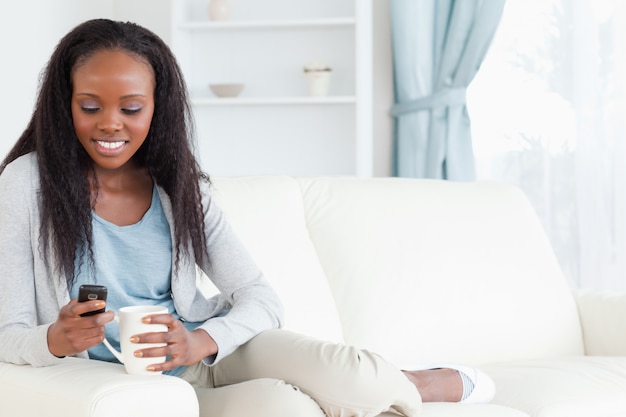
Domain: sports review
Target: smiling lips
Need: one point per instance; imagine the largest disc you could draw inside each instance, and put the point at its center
(110, 147)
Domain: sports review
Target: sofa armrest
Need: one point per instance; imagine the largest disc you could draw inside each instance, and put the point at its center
(603, 320)
(89, 388)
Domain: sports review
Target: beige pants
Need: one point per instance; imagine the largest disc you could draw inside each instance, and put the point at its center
(283, 374)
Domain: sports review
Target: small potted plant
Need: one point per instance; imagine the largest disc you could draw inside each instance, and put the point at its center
(318, 78)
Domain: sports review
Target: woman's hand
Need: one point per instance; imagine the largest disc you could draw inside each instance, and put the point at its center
(183, 347)
(71, 334)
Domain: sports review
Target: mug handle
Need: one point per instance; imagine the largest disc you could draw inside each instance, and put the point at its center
(118, 355)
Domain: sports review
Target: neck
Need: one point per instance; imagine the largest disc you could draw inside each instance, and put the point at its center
(128, 177)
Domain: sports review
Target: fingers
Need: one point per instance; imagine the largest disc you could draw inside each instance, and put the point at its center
(174, 354)
(75, 308)
(182, 347)
(71, 334)
(156, 337)
(176, 340)
(174, 326)
(70, 315)
(166, 319)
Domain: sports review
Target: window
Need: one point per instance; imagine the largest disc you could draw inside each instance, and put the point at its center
(548, 112)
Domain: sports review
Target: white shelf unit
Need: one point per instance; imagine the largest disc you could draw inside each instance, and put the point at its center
(274, 127)
(268, 24)
(266, 101)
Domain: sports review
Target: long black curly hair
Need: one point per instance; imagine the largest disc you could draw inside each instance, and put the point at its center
(65, 168)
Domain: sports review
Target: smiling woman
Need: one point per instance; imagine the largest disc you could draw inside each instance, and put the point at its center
(112, 108)
(102, 159)
(103, 187)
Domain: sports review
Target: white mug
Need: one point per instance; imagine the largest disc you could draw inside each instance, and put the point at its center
(129, 319)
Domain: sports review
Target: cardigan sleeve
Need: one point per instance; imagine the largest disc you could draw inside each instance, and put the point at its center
(255, 306)
(22, 339)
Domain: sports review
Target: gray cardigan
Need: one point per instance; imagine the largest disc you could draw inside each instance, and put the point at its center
(31, 293)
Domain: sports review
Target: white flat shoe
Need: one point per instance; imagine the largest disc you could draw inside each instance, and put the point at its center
(484, 387)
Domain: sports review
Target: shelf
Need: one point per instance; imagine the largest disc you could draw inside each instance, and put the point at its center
(276, 38)
(261, 101)
(269, 24)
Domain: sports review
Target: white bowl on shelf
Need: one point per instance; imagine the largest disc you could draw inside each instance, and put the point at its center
(226, 89)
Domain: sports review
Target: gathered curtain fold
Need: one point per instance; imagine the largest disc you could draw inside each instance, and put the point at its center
(438, 46)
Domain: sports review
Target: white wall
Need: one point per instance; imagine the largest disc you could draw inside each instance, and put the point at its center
(32, 29)
(28, 35)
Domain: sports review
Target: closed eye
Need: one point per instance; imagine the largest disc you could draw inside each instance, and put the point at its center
(131, 111)
(90, 109)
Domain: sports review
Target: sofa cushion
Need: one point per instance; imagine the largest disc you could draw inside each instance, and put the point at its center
(603, 319)
(565, 387)
(441, 409)
(90, 388)
(268, 215)
(437, 271)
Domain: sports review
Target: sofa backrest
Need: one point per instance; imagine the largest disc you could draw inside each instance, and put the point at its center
(420, 271)
(268, 215)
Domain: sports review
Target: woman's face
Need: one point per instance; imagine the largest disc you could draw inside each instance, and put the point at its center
(112, 106)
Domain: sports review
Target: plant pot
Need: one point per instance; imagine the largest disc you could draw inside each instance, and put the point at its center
(219, 10)
(318, 82)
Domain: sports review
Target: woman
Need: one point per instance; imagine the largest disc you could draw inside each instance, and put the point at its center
(103, 187)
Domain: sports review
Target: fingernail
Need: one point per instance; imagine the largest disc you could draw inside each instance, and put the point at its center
(100, 304)
(151, 368)
(138, 354)
(134, 339)
(146, 320)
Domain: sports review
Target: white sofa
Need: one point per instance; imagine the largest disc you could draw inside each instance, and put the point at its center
(421, 271)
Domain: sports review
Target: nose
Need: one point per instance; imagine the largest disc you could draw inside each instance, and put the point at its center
(109, 122)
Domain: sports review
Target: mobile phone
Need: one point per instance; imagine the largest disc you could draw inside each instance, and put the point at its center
(90, 293)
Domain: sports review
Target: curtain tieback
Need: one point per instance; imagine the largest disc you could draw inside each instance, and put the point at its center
(442, 98)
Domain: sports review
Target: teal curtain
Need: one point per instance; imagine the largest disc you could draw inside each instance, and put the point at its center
(438, 46)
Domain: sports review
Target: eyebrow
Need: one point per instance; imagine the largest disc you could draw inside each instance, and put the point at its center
(122, 97)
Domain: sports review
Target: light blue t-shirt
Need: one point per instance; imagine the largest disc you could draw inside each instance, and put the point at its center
(134, 262)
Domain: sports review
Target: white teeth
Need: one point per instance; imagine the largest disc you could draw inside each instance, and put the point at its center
(110, 145)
